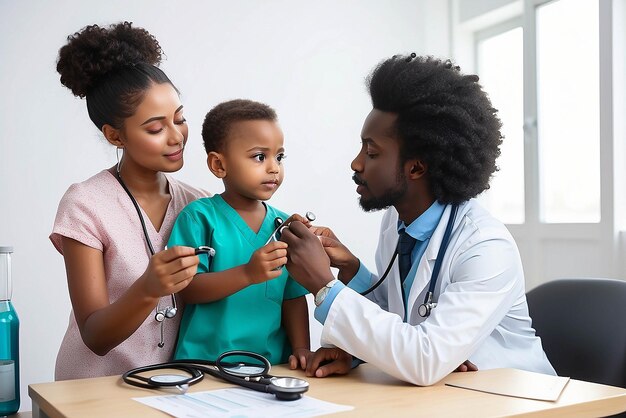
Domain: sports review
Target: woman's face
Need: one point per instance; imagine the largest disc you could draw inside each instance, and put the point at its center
(154, 137)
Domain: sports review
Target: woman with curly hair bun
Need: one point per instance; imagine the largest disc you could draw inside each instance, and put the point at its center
(454, 298)
(113, 227)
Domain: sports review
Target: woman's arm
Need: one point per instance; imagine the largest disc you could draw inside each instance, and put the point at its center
(105, 325)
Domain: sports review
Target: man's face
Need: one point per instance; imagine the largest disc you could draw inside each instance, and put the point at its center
(377, 172)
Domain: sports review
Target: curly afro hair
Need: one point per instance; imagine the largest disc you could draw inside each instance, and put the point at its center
(111, 67)
(219, 120)
(444, 118)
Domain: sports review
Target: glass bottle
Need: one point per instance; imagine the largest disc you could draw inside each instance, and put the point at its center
(9, 340)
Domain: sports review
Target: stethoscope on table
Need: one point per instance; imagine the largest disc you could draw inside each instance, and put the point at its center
(425, 308)
(251, 373)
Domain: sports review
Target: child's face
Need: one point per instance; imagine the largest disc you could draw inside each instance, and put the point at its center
(252, 159)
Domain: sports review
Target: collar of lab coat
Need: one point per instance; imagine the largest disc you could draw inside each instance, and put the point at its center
(426, 263)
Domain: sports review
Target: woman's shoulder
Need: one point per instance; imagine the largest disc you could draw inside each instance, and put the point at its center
(96, 186)
(187, 192)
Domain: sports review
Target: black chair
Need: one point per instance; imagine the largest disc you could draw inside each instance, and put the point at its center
(582, 325)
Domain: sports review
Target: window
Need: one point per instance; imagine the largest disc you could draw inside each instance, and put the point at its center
(499, 58)
(568, 111)
(559, 182)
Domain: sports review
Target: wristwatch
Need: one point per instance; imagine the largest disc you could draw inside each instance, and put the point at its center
(323, 292)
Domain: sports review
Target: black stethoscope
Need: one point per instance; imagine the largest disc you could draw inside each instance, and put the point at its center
(169, 311)
(425, 308)
(280, 224)
(251, 373)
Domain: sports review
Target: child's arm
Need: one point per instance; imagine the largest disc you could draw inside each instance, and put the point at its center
(210, 287)
(296, 323)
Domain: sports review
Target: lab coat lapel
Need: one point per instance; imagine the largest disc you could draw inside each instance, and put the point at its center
(390, 238)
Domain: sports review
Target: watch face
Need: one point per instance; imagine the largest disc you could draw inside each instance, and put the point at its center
(321, 295)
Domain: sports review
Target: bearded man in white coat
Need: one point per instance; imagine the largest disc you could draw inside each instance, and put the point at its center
(429, 147)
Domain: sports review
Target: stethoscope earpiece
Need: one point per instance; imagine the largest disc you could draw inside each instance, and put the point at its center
(170, 312)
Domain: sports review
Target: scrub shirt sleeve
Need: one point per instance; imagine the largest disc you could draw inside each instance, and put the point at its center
(188, 231)
(293, 289)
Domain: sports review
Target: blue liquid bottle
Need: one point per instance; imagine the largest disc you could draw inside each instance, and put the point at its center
(9, 340)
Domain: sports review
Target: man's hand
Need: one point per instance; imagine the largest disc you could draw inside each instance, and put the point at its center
(300, 358)
(329, 361)
(467, 366)
(340, 256)
(307, 261)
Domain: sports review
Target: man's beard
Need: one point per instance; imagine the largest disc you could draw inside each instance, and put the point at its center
(388, 198)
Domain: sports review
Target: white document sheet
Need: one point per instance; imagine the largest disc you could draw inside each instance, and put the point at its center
(240, 403)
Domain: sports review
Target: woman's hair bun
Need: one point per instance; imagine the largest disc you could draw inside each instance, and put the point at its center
(95, 51)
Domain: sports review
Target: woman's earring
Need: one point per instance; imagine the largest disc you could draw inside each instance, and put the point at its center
(119, 160)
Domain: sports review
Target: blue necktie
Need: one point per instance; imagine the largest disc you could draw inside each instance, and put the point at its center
(405, 248)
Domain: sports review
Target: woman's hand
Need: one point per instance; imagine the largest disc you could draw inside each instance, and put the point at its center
(169, 271)
(266, 262)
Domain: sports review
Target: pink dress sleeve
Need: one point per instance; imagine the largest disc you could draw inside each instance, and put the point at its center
(76, 219)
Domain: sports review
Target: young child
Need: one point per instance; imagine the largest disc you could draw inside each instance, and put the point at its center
(242, 298)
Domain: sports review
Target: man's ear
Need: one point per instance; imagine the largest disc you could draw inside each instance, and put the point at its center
(112, 135)
(417, 169)
(215, 162)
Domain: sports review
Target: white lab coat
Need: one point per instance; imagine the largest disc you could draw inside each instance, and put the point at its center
(481, 315)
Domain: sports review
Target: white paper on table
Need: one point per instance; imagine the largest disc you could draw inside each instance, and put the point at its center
(240, 403)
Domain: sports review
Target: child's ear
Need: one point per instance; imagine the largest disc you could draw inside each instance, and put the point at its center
(112, 135)
(215, 162)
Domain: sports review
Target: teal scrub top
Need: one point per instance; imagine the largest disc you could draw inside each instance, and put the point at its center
(249, 319)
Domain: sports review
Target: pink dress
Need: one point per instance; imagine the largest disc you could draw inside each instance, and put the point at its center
(99, 214)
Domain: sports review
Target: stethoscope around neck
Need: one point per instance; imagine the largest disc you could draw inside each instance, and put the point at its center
(252, 373)
(168, 312)
(427, 306)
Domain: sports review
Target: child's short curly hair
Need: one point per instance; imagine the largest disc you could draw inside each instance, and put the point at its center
(219, 120)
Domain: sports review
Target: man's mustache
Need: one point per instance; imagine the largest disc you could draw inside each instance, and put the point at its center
(358, 181)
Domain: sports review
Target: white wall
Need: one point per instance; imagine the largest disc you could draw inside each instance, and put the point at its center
(307, 59)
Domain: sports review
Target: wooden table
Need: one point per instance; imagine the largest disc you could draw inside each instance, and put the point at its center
(369, 390)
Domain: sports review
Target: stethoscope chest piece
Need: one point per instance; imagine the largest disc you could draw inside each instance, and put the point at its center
(288, 388)
(425, 308)
(243, 368)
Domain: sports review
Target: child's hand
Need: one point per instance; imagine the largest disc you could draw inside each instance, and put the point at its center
(300, 358)
(265, 262)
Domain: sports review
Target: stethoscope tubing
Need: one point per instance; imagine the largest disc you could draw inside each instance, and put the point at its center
(262, 381)
(435, 273)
